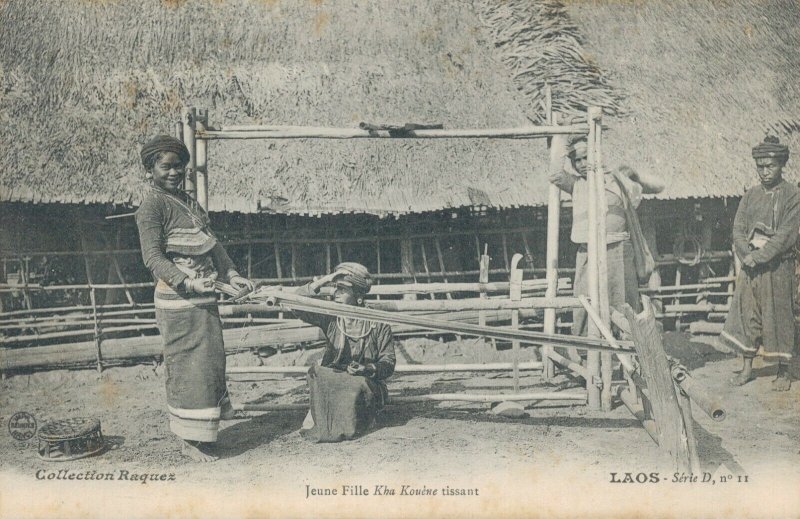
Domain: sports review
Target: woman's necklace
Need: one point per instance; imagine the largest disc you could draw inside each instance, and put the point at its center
(341, 324)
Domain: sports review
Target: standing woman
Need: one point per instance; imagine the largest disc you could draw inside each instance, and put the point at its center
(185, 259)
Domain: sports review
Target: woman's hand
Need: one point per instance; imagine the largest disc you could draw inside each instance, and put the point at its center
(748, 261)
(200, 285)
(354, 368)
(324, 280)
(241, 283)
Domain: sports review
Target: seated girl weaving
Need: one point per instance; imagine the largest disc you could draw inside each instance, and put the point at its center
(348, 387)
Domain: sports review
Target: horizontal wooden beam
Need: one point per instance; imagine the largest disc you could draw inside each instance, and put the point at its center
(400, 368)
(311, 132)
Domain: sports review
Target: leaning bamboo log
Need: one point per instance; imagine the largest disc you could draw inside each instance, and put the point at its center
(575, 367)
(294, 132)
(705, 327)
(399, 368)
(655, 370)
(637, 410)
(625, 360)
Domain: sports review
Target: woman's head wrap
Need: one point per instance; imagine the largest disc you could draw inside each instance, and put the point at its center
(357, 276)
(771, 148)
(160, 144)
(575, 144)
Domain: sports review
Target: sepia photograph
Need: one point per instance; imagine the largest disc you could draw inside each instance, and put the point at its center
(399, 258)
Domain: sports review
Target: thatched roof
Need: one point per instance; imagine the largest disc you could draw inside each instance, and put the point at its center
(688, 86)
(704, 80)
(84, 83)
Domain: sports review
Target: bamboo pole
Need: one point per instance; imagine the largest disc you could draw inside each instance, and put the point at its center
(593, 358)
(442, 270)
(407, 264)
(505, 252)
(710, 405)
(189, 139)
(288, 240)
(201, 149)
(439, 397)
(294, 301)
(96, 331)
(553, 230)
(606, 366)
(296, 132)
(278, 260)
(441, 305)
(117, 268)
(37, 311)
(425, 263)
(515, 294)
(570, 364)
(247, 230)
(399, 368)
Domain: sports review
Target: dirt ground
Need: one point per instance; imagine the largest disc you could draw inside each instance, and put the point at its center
(433, 444)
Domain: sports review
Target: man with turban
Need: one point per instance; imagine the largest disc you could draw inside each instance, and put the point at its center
(764, 232)
(180, 250)
(623, 190)
(349, 386)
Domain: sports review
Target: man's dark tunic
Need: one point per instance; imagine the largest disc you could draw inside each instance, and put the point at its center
(761, 310)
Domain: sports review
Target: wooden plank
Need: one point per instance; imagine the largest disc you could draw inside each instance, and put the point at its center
(656, 372)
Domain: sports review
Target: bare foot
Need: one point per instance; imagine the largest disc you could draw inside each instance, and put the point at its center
(782, 382)
(197, 451)
(742, 378)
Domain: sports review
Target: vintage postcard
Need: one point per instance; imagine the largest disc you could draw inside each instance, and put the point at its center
(373, 258)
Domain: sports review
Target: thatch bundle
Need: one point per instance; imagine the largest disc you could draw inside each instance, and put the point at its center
(542, 46)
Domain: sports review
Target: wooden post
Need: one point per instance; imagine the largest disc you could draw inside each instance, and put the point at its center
(201, 169)
(189, 140)
(551, 272)
(97, 339)
(649, 231)
(248, 236)
(505, 252)
(425, 263)
(407, 264)
(328, 266)
(278, 259)
(483, 278)
(378, 260)
(515, 294)
(293, 264)
(92, 295)
(593, 358)
(606, 359)
(441, 265)
(656, 372)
